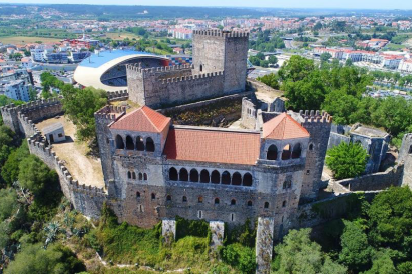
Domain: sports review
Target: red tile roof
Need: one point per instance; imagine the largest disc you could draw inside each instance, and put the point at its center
(143, 119)
(215, 146)
(283, 127)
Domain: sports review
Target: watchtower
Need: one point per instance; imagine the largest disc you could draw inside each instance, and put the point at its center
(215, 50)
(318, 125)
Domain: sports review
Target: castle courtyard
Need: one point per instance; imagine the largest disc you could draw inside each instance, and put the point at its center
(85, 168)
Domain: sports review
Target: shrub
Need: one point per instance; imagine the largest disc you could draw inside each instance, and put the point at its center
(241, 257)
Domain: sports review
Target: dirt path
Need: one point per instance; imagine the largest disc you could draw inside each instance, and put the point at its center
(86, 169)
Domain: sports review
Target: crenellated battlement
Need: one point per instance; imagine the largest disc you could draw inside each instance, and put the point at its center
(191, 77)
(30, 106)
(152, 71)
(219, 33)
(315, 116)
(110, 112)
(120, 95)
(38, 147)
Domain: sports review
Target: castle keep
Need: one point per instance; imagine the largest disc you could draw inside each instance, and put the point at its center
(219, 68)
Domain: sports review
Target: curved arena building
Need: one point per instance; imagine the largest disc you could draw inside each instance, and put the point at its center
(107, 69)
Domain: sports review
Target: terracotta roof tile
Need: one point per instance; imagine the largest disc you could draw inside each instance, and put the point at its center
(143, 119)
(216, 146)
(283, 127)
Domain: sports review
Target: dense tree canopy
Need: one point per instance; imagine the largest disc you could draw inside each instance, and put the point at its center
(347, 160)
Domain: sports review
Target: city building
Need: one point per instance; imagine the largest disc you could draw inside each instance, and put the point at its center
(17, 90)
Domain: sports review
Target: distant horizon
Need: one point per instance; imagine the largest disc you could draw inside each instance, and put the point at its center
(274, 4)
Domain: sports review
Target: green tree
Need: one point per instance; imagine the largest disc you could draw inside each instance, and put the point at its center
(296, 68)
(8, 203)
(382, 264)
(10, 170)
(347, 160)
(324, 57)
(390, 220)
(298, 254)
(405, 268)
(272, 80)
(341, 106)
(356, 251)
(80, 105)
(8, 141)
(35, 175)
(273, 59)
(241, 257)
(55, 259)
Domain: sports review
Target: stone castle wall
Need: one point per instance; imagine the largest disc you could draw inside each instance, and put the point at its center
(149, 87)
(87, 200)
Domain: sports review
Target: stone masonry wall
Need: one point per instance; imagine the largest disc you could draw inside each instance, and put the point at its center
(375, 181)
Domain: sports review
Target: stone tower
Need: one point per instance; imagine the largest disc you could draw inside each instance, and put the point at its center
(226, 51)
(103, 118)
(405, 156)
(319, 125)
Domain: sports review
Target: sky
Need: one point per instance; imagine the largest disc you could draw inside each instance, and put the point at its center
(344, 4)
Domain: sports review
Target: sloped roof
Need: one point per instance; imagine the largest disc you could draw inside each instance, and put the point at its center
(283, 127)
(143, 119)
(215, 146)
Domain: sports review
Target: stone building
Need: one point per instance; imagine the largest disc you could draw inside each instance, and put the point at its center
(374, 141)
(219, 68)
(54, 133)
(156, 170)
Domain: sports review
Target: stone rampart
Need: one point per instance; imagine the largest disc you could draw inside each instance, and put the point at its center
(120, 95)
(86, 199)
(376, 181)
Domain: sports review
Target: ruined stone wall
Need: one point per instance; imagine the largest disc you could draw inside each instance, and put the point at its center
(375, 181)
(249, 113)
(120, 95)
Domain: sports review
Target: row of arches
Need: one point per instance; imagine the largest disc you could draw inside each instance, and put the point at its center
(287, 153)
(233, 202)
(215, 177)
(139, 144)
(132, 176)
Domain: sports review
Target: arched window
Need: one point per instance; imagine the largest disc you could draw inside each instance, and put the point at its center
(200, 68)
(272, 153)
(184, 199)
(237, 179)
(247, 179)
(168, 198)
(200, 199)
(183, 175)
(140, 176)
(233, 202)
(217, 201)
(153, 196)
(266, 204)
(194, 176)
(284, 204)
(129, 143)
(249, 203)
(286, 153)
(137, 194)
(150, 144)
(216, 177)
(410, 150)
(204, 176)
(287, 183)
(226, 178)
(133, 175)
(311, 147)
(172, 174)
(145, 176)
(129, 175)
(297, 150)
(139, 143)
(119, 142)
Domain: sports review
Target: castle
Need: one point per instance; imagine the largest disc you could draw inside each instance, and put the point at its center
(218, 69)
(154, 170)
